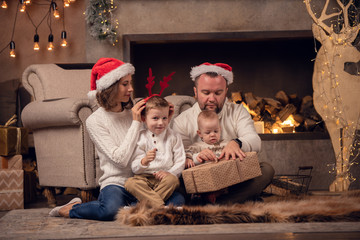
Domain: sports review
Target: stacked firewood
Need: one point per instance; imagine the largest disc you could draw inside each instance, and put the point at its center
(274, 111)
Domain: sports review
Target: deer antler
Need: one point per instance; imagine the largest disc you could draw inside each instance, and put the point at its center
(151, 82)
(320, 21)
(164, 84)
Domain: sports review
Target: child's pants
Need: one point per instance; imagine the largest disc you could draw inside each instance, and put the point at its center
(147, 187)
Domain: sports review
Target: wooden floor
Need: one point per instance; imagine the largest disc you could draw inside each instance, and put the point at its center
(34, 223)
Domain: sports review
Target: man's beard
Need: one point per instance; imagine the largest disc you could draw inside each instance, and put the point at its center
(216, 110)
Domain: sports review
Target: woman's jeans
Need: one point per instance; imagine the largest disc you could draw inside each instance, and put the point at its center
(111, 198)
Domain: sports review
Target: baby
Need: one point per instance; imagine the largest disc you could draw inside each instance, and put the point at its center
(159, 156)
(209, 131)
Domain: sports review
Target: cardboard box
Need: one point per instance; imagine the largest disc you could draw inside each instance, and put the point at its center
(209, 177)
(11, 189)
(13, 140)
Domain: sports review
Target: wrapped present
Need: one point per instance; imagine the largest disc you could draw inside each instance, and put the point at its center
(213, 176)
(13, 140)
(11, 189)
(13, 162)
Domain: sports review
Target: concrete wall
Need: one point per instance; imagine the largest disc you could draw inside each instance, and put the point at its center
(180, 16)
(12, 68)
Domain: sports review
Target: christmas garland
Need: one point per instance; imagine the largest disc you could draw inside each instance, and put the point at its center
(99, 19)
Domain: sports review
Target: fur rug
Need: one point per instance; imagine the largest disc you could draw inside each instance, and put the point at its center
(345, 207)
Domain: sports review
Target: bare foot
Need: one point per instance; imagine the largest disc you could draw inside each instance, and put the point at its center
(64, 211)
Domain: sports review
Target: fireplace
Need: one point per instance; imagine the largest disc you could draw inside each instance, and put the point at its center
(263, 62)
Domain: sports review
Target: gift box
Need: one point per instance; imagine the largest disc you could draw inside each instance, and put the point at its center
(13, 162)
(213, 176)
(13, 140)
(11, 189)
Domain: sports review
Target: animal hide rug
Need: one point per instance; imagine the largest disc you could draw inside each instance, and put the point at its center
(345, 207)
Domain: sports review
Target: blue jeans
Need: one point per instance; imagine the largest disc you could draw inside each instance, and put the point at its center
(111, 198)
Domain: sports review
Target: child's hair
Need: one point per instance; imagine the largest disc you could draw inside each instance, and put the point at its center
(154, 102)
(206, 115)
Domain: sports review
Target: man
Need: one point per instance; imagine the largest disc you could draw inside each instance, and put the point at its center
(211, 86)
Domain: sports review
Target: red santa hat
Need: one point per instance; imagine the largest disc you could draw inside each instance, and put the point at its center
(106, 72)
(219, 68)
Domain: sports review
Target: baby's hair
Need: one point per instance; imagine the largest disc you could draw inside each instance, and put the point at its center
(206, 115)
(155, 102)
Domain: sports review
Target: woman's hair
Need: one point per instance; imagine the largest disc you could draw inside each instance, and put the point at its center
(154, 102)
(206, 115)
(106, 98)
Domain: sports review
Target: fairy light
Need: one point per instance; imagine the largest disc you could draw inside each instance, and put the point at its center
(4, 4)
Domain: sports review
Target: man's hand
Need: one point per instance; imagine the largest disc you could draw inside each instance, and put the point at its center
(189, 163)
(150, 156)
(232, 151)
(161, 174)
(206, 155)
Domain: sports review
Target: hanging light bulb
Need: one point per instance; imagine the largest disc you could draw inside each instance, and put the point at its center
(72, 1)
(36, 42)
(54, 7)
(66, 3)
(3, 4)
(23, 6)
(12, 49)
(50, 45)
(63, 39)
(27, 2)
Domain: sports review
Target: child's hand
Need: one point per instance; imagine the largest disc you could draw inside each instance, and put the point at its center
(189, 163)
(150, 156)
(161, 174)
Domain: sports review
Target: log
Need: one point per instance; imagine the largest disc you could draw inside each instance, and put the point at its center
(251, 100)
(286, 112)
(282, 97)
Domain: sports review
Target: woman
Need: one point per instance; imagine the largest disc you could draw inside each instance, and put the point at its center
(114, 129)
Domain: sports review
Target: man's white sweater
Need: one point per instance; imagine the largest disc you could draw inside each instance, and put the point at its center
(115, 136)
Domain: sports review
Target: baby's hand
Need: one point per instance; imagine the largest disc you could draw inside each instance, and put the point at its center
(150, 156)
(189, 163)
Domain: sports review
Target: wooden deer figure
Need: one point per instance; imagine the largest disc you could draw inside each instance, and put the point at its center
(337, 92)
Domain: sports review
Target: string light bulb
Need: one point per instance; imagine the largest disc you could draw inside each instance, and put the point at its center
(23, 6)
(66, 3)
(63, 39)
(54, 7)
(36, 42)
(50, 45)
(12, 49)
(4, 4)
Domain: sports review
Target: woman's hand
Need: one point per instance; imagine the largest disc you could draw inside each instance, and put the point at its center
(137, 109)
(171, 110)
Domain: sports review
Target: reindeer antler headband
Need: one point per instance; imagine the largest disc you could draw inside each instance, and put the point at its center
(163, 84)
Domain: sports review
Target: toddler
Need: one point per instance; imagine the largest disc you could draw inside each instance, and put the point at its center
(159, 157)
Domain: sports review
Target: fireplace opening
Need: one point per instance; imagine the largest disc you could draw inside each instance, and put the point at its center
(265, 65)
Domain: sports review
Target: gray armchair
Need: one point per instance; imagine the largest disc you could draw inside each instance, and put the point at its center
(57, 116)
(65, 154)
